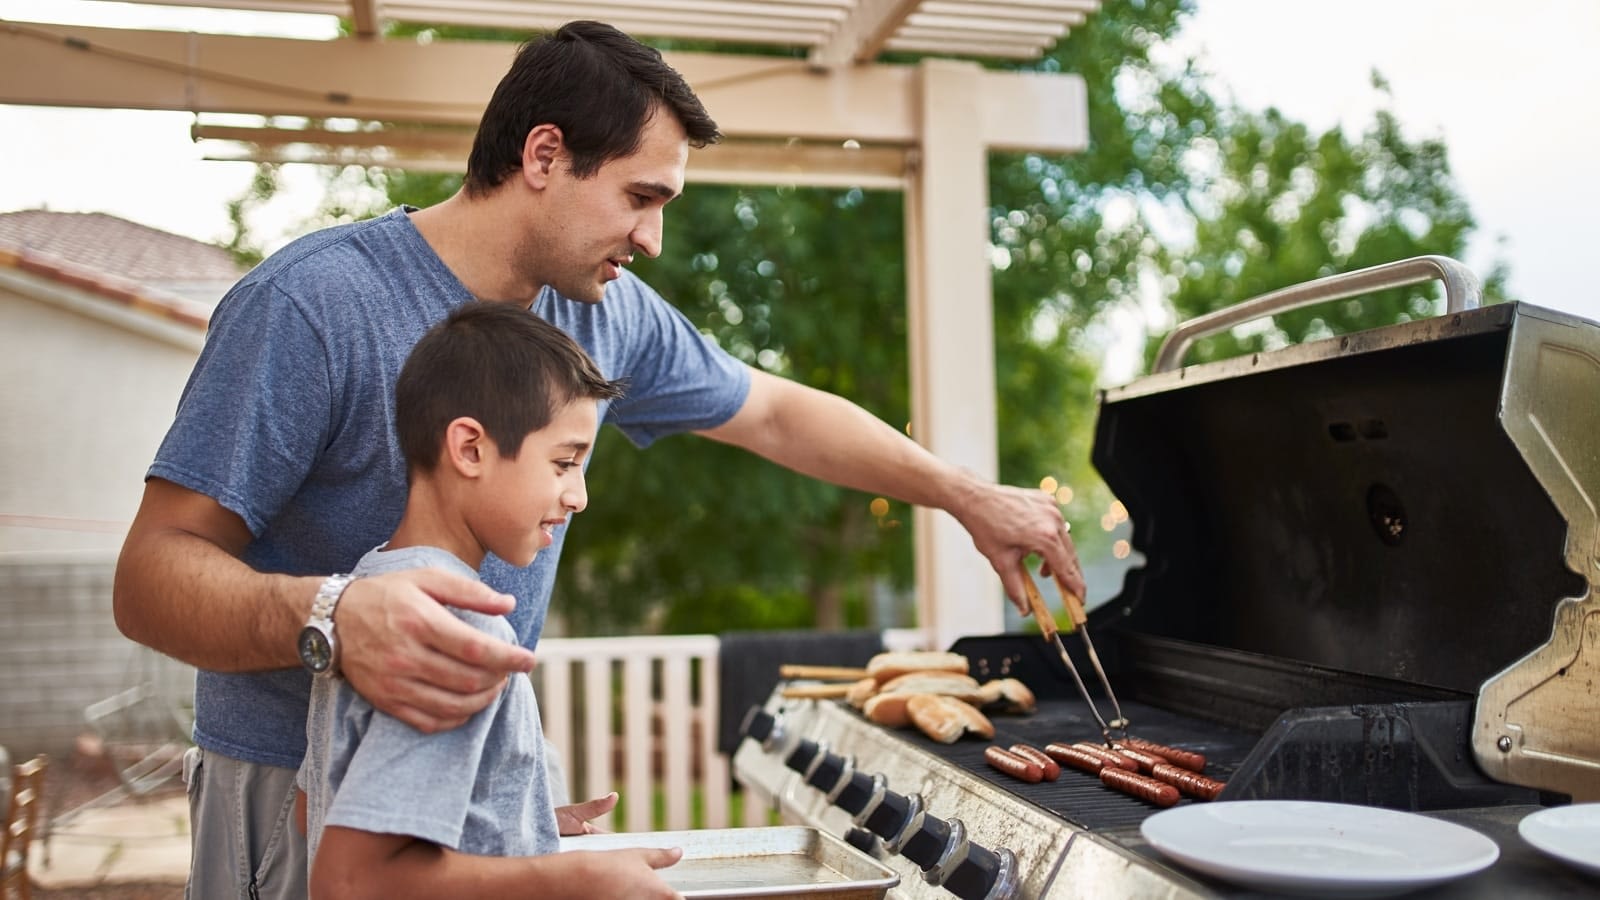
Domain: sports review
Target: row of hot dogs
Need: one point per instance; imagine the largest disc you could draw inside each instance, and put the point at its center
(1154, 773)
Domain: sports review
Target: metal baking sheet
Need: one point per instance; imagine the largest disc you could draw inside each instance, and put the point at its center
(785, 861)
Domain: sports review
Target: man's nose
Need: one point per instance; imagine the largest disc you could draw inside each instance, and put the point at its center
(646, 235)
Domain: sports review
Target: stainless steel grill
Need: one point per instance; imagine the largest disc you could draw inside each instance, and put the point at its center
(1369, 578)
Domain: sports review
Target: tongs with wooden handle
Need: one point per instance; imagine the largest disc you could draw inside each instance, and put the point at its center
(1080, 624)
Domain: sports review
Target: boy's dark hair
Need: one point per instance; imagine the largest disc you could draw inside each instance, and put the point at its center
(598, 85)
(499, 364)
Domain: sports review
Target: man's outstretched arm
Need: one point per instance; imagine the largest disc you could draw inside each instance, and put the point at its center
(828, 437)
(182, 589)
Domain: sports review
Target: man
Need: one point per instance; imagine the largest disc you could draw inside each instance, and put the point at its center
(280, 467)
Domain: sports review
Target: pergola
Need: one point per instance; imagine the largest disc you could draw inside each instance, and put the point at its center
(836, 117)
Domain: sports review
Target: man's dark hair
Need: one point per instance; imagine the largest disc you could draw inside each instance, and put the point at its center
(598, 85)
(499, 364)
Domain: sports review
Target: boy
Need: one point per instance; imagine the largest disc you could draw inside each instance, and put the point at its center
(495, 411)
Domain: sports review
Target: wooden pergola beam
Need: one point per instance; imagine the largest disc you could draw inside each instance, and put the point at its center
(448, 82)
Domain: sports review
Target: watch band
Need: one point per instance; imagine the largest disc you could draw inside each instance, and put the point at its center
(327, 599)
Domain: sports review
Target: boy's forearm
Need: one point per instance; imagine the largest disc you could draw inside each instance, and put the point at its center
(409, 868)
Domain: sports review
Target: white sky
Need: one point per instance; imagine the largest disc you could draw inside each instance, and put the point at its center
(1509, 86)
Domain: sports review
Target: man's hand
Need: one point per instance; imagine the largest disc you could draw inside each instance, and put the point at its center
(575, 818)
(1007, 524)
(411, 658)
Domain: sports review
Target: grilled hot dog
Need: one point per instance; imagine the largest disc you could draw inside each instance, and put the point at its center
(1183, 759)
(1146, 761)
(1048, 766)
(1142, 786)
(1109, 757)
(1017, 767)
(1192, 783)
(1076, 757)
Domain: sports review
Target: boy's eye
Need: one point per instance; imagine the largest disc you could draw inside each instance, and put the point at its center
(566, 465)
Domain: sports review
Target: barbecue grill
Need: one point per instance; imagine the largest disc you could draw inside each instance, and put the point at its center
(1369, 578)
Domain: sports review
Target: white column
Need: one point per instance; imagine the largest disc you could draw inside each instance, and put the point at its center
(951, 324)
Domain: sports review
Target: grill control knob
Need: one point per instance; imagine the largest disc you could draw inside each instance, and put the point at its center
(890, 816)
(862, 840)
(984, 875)
(804, 755)
(828, 773)
(926, 844)
(856, 793)
(758, 724)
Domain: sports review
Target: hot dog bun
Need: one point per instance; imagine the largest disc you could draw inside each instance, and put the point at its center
(886, 666)
(946, 719)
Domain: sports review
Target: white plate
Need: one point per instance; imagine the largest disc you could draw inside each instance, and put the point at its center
(1569, 833)
(1320, 849)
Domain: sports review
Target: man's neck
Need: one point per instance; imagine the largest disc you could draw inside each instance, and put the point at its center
(477, 238)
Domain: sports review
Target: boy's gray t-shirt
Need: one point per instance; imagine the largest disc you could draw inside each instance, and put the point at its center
(288, 417)
(481, 788)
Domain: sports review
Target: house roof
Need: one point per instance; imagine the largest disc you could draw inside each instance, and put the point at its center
(157, 272)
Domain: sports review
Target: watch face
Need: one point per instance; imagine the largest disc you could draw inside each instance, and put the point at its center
(315, 651)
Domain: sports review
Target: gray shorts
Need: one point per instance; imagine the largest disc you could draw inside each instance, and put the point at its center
(245, 843)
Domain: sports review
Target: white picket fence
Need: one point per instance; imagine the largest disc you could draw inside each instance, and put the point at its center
(639, 715)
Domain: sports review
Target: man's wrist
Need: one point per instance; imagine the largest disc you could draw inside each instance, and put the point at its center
(318, 645)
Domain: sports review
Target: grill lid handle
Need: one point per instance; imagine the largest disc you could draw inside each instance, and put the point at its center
(1461, 292)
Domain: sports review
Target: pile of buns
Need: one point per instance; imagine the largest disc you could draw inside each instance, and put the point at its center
(932, 691)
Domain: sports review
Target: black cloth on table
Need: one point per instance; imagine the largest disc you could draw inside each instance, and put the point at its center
(748, 664)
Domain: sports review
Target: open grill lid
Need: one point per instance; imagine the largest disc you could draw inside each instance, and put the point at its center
(1415, 502)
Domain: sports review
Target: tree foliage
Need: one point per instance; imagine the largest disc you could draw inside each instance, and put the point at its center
(1180, 198)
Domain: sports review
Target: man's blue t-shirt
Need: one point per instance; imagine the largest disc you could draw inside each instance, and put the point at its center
(481, 788)
(288, 421)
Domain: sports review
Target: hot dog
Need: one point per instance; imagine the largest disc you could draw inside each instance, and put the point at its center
(1192, 783)
(1146, 761)
(1183, 759)
(1076, 757)
(1005, 761)
(1048, 766)
(1109, 757)
(1142, 786)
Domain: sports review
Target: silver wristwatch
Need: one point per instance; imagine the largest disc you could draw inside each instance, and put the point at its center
(319, 649)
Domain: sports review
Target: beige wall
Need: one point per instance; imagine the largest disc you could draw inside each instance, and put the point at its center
(87, 390)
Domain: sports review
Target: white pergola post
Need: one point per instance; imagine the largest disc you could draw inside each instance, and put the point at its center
(951, 324)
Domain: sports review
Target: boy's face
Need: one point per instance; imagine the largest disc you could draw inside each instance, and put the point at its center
(597, 224)
(522, 501)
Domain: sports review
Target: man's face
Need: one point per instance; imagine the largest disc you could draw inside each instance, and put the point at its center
(597, 224)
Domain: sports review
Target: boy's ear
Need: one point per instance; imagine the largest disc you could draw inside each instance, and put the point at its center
(539, 152)
(466, 446)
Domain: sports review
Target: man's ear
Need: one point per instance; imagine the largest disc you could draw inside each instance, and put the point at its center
(539, 152)
(466, 446)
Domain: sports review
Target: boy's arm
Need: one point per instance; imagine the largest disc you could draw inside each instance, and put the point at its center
(361, 865)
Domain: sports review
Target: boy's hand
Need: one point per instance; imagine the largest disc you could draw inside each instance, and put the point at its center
(415, 661)
(628, 873)
(575, 819)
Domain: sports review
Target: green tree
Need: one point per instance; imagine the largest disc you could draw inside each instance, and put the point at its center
(1178, 196)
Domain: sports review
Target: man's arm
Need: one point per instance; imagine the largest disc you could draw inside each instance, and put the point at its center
(182, 589)
(830, 438)
(361, 865)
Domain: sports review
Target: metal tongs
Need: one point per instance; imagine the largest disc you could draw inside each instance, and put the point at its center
(1080, 624)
